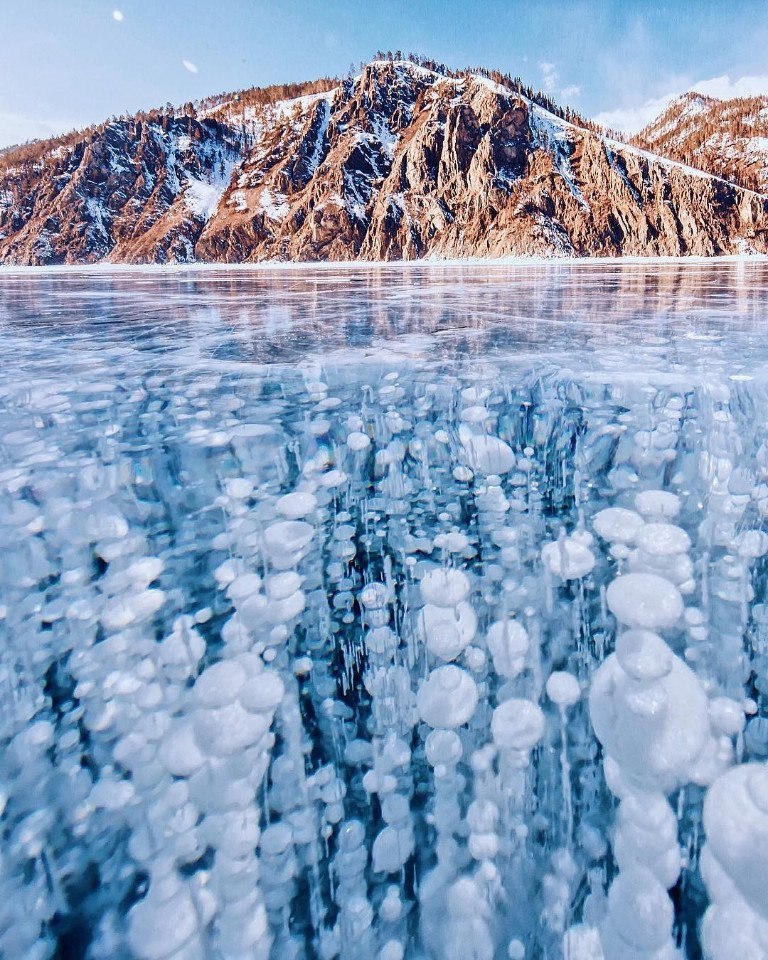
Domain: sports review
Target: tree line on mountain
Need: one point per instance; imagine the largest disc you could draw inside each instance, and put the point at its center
(703, 139)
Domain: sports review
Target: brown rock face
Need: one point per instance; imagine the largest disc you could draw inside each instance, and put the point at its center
(399, 163)
(117, 194)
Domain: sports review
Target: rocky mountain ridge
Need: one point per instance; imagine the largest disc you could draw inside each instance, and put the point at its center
(728, 138)
(400, 162)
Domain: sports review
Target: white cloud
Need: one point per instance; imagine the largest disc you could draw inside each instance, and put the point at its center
(117, 15)
(725, 88)
(573, 91)
(634, 118)
(549, 76)
(188, 65)
(19, 127)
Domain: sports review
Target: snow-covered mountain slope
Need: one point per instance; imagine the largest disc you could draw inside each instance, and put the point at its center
(398, 162)
(728, 138)
(130, 187)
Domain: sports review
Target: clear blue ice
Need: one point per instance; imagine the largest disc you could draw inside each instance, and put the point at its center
(409, 612)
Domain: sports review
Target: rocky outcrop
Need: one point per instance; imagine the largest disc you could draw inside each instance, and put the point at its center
(399, 163)
(136, 191)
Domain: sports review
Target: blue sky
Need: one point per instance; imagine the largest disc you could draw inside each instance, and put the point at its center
(65, 63)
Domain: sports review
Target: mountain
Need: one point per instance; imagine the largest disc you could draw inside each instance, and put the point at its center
(399, 162)
(728, 138)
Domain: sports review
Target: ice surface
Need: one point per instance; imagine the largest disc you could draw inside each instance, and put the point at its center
(384, 613)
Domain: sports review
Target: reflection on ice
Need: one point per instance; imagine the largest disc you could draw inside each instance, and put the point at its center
(393, 646)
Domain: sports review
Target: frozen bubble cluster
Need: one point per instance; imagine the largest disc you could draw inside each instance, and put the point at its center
(381, 654)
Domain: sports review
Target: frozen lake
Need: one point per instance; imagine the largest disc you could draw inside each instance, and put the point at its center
(399, 612)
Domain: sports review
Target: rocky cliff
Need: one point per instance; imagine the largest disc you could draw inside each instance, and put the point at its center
(398, 163)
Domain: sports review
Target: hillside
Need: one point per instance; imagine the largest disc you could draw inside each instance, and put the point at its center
(728, 138)
(401, 161)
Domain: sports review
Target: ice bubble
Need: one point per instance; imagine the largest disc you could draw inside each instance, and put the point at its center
(563, 688)
(124, 610)
(475, 659)
(263, 693)
(228, 730)
(447, 698)
(276, 839)
(226, 572)
(476, 414)
(752, 544)
(568, 558)
(475, 394)
(220, 683)
(662, 539)
(179, 752)
(644, 600)
(39, 734)
(238, 488)
(382, 640)
(112, 794)
(726, 716)
(736, 825)
(295, 506)
(249, 431)
(358, 441)
(617, 525)
(443, 747)
(160, 930)
(517, 725)
(287, 537)
(106, 526)
(448, 630)
(244, 586)
(657, 727)
(453, 542)
(508, 642)
(333, 478)
(730, 929)
(144, 571)
(643, 655)
(285, 609)
(282, 585)
(646, 835)
(445, 588)
(391, 850)
(392, 950)
(374, 596)
(488, 454)
(640, 916)
(657, 504)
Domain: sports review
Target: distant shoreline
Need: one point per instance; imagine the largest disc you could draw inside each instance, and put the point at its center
(367, 265)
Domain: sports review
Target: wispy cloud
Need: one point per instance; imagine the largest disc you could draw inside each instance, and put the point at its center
(631, 119)
(549, 76)
(188, 65)
(571, 92)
